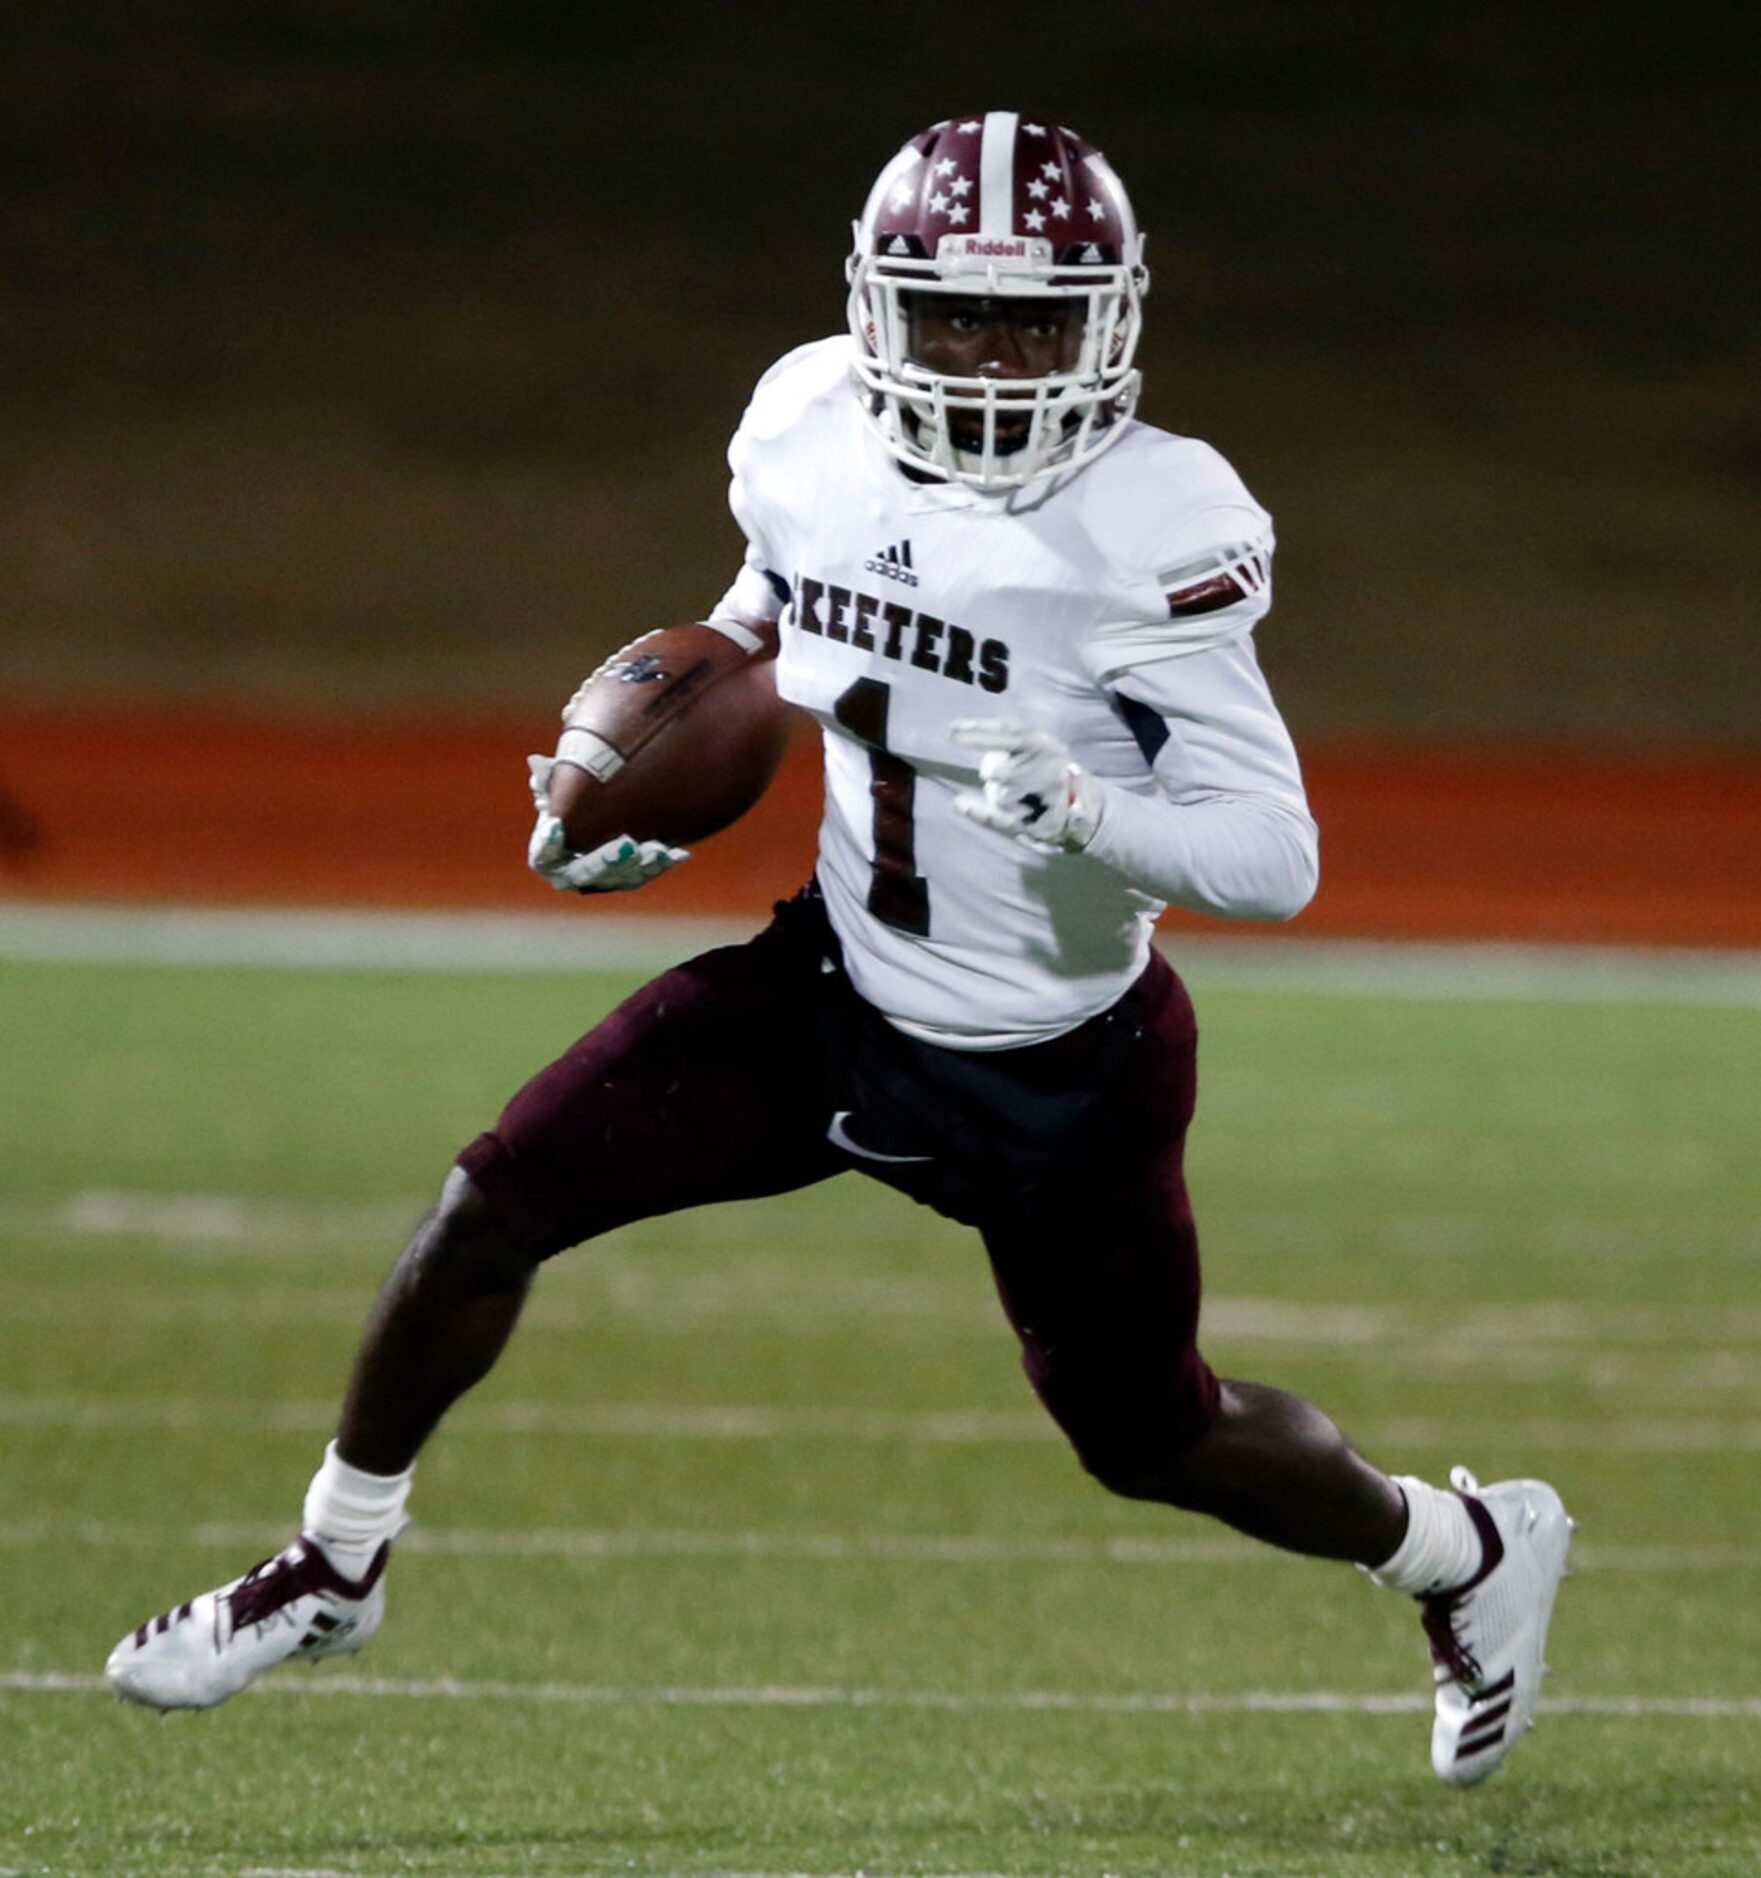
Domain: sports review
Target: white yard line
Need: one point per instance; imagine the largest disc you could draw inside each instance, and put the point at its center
(321, 1871)
(201, 1224)
(764, 1422)
(295, 1871)
(351, 940)
(212, 1219)
(593, 1544)
(814, 1696)
(1720, 1355)
(596, 939)
(317, 1871)
(636, 1420)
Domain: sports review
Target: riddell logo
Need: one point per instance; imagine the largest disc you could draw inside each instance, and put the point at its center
(980, 253)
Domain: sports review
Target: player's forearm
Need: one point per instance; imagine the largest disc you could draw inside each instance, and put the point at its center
(1238, 857)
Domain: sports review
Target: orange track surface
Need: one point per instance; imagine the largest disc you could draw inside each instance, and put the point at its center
(137, 804)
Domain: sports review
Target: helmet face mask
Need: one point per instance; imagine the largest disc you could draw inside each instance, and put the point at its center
(976, 348)
(1056, 237)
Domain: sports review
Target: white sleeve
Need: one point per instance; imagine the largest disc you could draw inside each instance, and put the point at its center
(753, 596)
(760, 590)
(1226, 827)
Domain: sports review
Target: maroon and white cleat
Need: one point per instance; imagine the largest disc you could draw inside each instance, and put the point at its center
(295, 1605)
(1488, 1636)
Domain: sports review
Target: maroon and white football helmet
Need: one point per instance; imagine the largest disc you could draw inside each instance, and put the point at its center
(997, 204)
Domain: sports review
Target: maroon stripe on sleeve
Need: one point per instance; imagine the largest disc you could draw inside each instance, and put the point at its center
(1206, 596)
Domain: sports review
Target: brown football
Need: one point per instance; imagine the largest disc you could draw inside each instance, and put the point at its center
(672, 738)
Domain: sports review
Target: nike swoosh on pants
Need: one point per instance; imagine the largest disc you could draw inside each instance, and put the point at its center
(839, 1137)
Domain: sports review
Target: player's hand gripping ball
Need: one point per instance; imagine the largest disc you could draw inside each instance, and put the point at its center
(615, 866)
(670, 740)
(1030, 787)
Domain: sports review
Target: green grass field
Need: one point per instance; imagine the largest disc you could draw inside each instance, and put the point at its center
(755, 1556)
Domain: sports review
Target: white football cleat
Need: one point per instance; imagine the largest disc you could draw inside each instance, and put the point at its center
(1487, 1636)
(294, 1605)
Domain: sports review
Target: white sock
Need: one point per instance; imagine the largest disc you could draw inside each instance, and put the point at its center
(1442, 1546)
(352, 1514)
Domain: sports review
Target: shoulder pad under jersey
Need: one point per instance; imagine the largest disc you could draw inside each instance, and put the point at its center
(1179, 530)
(811, 375)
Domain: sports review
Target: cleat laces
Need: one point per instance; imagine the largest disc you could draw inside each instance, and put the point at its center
(268, 1588)
(1441, 1618)
(265, 1590)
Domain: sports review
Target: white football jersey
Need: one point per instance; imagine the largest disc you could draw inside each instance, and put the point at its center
(1113, 608)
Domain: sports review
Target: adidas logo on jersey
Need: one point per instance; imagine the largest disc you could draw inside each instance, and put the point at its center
(894, 564)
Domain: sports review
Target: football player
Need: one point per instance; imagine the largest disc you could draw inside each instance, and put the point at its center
(1024, 621)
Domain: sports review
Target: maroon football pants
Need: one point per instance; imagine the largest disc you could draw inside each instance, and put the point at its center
(720, 1080)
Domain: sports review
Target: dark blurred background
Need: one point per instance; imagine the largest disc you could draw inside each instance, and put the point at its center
(362, 353)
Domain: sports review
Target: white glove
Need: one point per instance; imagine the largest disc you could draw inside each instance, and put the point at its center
(1032, 789)
(619, 866)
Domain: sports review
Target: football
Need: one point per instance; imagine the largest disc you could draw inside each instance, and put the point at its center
(673, 738)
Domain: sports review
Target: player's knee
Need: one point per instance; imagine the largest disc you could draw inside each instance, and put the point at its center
(1132, 1431)
(1140, 1453)
(1141, 1469)
(1131, 1476)
(465, 1244)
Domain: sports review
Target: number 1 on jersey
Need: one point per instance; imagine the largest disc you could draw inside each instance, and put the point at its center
(898, 896)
